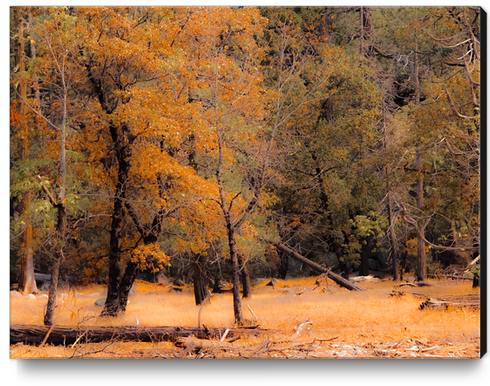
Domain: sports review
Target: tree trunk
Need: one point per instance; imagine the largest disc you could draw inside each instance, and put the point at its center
(112, 303)
(394, 247)
(365, 31)
(217, 283)
(336, 278)
(111, 307)
(365, 251)
(61, 207)
(27, 283)
(55, 269)
(123, 152)
(53, 288)
(200, 279)
(237, 304)
(245, 277)
(130, 273)
(231, 230)
(391, 222)
(404, 264)
(361, 32)
(283, 265)
(421, 257)
(476, 280)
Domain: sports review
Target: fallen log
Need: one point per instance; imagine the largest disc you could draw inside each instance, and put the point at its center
(415, 294)
(457, 277)
(65, 335)
(420, 284)
(472, 264)
(336, 278)
(471, 300)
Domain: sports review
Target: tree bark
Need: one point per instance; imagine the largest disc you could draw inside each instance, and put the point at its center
(112, 303)
(421, 256)
(365, 31)
(53, 288)
(361, 31)
(336, 278)
(476, 280)
(60, 204)
(217, 283)
(200, 279)
(394, 247)
(365, 251)
(130, 273)
(245, 277)
(231, 232)
(55, 269)
(111, 307)
(283, 265)
(237, 304)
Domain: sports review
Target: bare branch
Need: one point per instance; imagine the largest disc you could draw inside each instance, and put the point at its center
(411, 221)
(454, 109)
(50, 196)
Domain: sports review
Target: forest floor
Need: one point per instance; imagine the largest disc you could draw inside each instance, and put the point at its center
(306, 320)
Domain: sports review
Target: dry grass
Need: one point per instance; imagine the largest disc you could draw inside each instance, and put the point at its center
(372, 321)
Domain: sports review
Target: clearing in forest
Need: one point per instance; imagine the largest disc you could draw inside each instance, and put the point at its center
(304, 318)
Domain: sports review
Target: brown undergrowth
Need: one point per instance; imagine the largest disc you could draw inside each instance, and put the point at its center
(314, 321)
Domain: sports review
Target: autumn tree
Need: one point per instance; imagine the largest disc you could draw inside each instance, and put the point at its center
(226, 53)
(19, 119)
(130, 63)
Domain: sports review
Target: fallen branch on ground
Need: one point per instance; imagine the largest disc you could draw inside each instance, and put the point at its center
(301, 326)
(471, 300)
(311, 264)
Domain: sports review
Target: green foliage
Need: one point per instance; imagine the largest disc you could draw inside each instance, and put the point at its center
(373, 224)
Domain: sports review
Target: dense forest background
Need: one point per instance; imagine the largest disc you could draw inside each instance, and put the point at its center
(188, 143)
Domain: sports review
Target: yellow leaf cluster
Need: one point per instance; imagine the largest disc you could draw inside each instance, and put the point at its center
(150, 257)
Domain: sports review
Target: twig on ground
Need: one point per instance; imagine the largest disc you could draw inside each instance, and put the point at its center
(80, 337)
(224, 335)
(234, 339)
(47, 335)
(263, 346)
(301, 326)
(326, 340)
(93, 352)
(252, 312)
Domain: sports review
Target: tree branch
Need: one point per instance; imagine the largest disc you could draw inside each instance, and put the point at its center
(411, 221)
(134, 217)
(51, 198)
